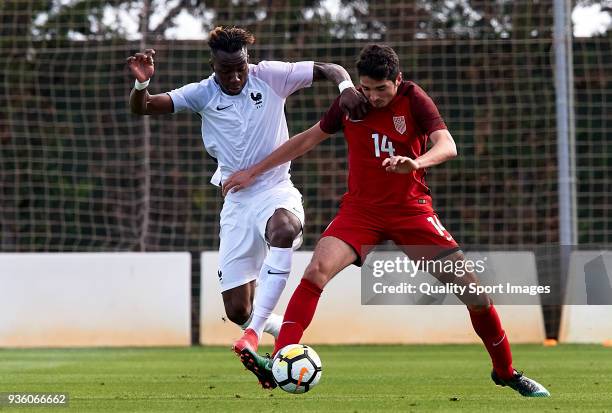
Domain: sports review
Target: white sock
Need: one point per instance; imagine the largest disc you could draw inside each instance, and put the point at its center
(273, 325)
(272, 280)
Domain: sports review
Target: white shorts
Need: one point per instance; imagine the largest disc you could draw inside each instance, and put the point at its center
(243, 246)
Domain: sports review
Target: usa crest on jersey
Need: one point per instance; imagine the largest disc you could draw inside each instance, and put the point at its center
(400, 124)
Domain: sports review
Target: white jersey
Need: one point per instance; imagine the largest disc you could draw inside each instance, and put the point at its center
(240, 131)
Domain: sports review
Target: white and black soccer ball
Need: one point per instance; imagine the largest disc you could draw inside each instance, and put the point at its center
(296, 368)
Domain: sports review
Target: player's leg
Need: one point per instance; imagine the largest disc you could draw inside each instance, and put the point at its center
(484, 317)
(282, 229)
(426, 233)
(424, 237)
(346, 240)
(277, 215)
(488, 326)
(341, 244)
(238, 303)
(330, 257)
(241, 252)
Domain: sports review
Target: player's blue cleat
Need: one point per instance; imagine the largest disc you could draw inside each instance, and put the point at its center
(524, 385)
(260, 366)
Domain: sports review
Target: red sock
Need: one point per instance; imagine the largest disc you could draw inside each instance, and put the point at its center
(488, 327)
(299, 313)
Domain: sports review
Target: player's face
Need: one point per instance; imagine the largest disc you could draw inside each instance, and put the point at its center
(231, 70)
(379, 92)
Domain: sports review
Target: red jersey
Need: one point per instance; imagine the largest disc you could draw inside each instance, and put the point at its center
(400, 128)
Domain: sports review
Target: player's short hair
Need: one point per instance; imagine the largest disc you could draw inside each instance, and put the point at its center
(229, 39)
(378, 61)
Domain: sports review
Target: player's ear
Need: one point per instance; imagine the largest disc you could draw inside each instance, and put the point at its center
(398, 80)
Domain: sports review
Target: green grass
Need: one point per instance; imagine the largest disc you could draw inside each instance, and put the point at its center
(355, 379)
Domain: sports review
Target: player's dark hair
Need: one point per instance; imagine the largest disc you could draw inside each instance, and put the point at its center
(378, 61)
(229, 39)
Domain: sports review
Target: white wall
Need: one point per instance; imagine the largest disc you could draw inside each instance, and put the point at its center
(95, 299)
(134, 299)
(341, 318)
(586, 323)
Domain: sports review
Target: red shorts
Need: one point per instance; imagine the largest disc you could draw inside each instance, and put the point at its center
(419, 236)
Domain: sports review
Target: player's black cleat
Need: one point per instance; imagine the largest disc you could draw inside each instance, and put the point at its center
(260, 366)
(524, 385)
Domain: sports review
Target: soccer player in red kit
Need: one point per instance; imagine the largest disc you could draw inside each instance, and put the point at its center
(387, 199)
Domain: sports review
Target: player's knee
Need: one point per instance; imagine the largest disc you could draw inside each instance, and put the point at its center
(238, 313)
(317, 274)
(283, 235)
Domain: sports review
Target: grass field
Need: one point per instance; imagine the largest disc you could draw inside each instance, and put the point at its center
(355, 379)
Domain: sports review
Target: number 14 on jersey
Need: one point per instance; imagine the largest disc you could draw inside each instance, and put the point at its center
(382, 145)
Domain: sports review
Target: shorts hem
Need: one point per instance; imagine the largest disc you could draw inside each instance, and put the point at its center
(229, 286)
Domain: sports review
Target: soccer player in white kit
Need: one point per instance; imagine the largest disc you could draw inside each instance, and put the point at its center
(242, 110)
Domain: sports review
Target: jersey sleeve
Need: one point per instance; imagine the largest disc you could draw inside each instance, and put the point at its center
(189, 97)
(424, 111)
(284, 78)
(331, 122)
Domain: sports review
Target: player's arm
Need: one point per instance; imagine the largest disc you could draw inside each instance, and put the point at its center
(141, 102)
(352, 101)
(443, 148)
(288, 151)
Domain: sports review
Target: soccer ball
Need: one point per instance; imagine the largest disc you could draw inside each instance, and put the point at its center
(296, 368)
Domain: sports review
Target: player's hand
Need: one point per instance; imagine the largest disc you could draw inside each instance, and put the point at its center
(237, 181)
(142, 65)
(400, 164)
(354, 103)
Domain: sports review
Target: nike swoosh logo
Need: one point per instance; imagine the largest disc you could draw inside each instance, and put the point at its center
(303, 371)
(224, 107)
(277, 273)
